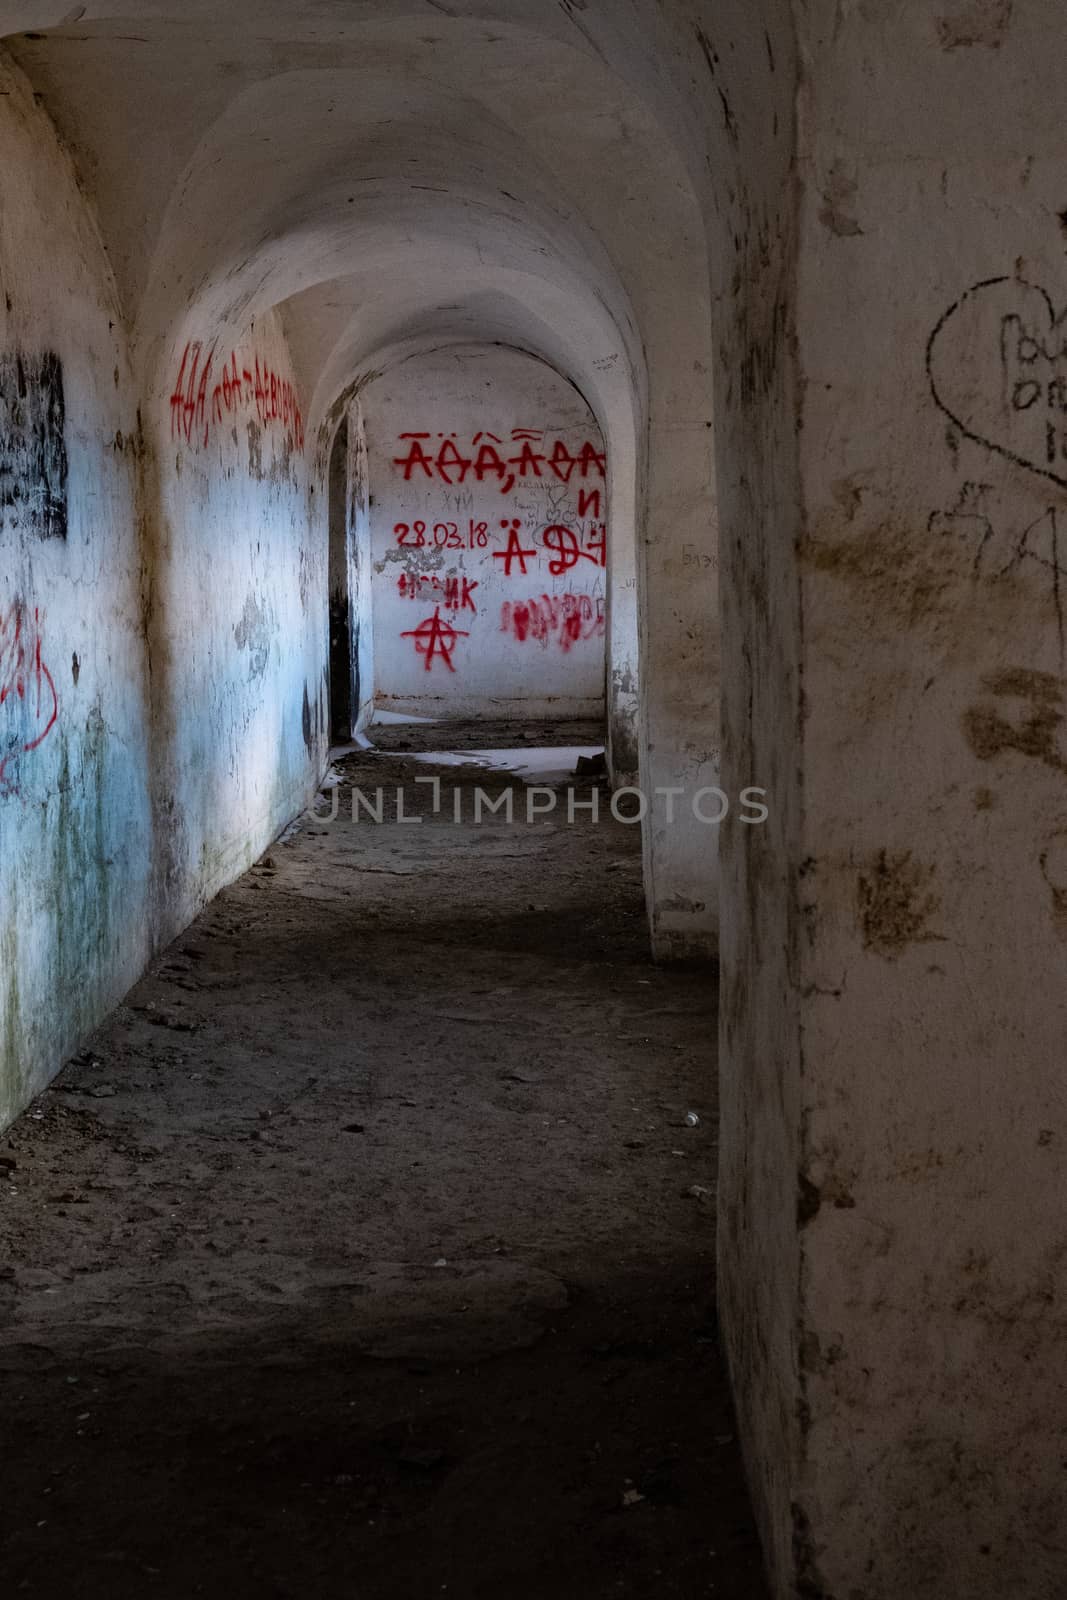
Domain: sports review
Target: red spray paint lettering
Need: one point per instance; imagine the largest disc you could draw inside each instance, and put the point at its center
(485, 462)
(566, 549)
(516, 551)
(445, 535)
(204, 395)
(561, 619)
(26, 687)
(456, 594)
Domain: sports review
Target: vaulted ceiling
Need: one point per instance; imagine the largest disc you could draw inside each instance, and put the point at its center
(389, 175)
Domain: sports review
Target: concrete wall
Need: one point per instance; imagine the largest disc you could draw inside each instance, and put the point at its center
(163, 616)
(489, 584)
(239, 609)
(746, 61)
(74, 808)
(933, 1167)
(892, 1238)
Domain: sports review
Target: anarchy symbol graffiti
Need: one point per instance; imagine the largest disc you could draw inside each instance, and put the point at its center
(435, 639)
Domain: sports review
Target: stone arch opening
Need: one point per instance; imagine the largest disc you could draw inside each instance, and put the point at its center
(487, 481)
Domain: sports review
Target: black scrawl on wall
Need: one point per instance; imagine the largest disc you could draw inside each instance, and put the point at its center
(33, 452)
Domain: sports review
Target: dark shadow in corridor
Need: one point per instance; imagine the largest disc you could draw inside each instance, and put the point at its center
(344, 653)
(367, 1252)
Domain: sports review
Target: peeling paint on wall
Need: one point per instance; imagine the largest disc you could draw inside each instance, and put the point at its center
(255, 633)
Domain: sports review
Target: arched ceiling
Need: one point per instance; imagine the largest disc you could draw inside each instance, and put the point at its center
(384, 171)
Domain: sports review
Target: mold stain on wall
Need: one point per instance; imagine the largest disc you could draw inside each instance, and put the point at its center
(33, 451)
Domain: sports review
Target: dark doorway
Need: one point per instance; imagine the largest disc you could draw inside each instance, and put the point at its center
(344, 691)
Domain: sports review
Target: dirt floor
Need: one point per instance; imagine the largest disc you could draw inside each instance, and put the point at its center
(366, 1251)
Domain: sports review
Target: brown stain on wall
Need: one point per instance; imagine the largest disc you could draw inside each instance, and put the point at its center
(895, 901)
(990, 732)
(904, 579)
(839, 200)
(983, 22)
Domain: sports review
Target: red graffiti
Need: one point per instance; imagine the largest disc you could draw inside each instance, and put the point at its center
(446, 535)
(204, 395)
(515, 550)
(589, 503)
(456, 594)
(588, 460)
(25, 685)
(566, 548)
(484, 462)
(596, 541)
(435, 640)
(564, 619)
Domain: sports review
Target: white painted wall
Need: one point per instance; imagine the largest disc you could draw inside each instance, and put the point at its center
(239, 607)
(163, 616)
(489, 596)
(75, 818)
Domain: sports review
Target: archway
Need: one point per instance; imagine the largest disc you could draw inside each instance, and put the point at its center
(489, 540)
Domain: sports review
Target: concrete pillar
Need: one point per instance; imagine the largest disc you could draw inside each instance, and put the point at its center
(894, 1004)
(359, 564)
